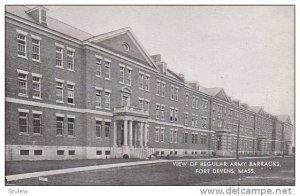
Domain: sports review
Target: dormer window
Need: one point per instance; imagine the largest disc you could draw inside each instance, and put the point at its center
(43, 16)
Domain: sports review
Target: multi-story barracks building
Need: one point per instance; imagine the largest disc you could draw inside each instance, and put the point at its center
(72, 95)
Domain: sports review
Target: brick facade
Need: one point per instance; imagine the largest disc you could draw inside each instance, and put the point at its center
(206, 119)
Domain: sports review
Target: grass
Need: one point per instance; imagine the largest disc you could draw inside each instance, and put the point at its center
(167, 174)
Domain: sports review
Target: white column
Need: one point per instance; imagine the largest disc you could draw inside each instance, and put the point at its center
(115, 133)
(130, 133)
(125, 132)
(145, 134)
(135, 135)
(141, 133)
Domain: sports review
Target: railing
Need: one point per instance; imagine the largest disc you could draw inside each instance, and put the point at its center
(131, 110)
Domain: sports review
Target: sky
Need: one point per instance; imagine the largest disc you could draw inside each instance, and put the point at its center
(247, 50)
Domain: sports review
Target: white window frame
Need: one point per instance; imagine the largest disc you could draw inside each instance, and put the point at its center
(157, 134)
(157, 111)
(40, 122)
(23, 117)
(20, 32)
(98, 127)
(176, 93)
(38, 46)
(128, 76)
(107, 65)
(162, 135)
(171, 135)
(172, 93)
(71, 123)
(147, 105)
(39, 83)
(98, 98)
(107, 99)
(147, 82)
(141, 80)
(71, 88)
(122, 74)
(158, 89)
(61, 87)
(24, 80)
(175, 136)
(163, 89)
(61, 53)
(62, 124)
(71, 56)
(162, 112)
(98, 66)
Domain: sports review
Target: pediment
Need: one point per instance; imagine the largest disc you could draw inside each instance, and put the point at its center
(222, 95)
(124, 42)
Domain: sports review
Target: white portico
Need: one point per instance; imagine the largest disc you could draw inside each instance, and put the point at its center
(130, 125)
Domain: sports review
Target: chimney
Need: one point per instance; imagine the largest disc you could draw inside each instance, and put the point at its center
(194, 84)
(39, 14)
(160, 64)
(181, 76)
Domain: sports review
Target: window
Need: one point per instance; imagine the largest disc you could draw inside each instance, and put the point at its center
(162, 135)
(22, 45)
(204, 122)
(107, 100)
(59, 125)
(194, 102)
(162, 114)
(71, 152)
(122, 73)
(125, 100)
(172, 92)
(156, 134)
(98, 99)
(194, 121)
(204, 105)
(98, 67)
(213, 107)
(99, 152)
(43, 16)
(197, 103)
(147, 105)
(186, 118)
(176, 94)
(23, 122)
(98, 128)
(70, 93)
(36, 87)
(171, 136)
(128, 81)
(37, 123)
(203, 139)
(157, 87)
(36, 49)
(157, 111)
(186, 99)
(171, 114)
(147, 79)
(70, 60)
(163, 89)
(141, 104)
(185, 137)
(141, 80)
(107, 129)
(59, 91)
(22, 84)
(24, 152)
(59, 57)
(175, 137)
(38, 152)
(107, 70)
(176, 115)
(107, 152)
(60, 152)
(71, 126)
(194, 138)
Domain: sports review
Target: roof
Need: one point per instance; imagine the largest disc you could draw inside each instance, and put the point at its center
(213, 91)
(255, 109)
(283, 118)
(52, 23)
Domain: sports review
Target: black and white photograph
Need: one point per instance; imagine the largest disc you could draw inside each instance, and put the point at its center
(149, 95)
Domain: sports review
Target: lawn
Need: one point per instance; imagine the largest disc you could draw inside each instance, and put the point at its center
(168, 174)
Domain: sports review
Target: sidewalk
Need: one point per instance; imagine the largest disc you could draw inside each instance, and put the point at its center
(109, 166)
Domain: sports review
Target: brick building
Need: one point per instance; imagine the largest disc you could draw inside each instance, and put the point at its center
(72, 95)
